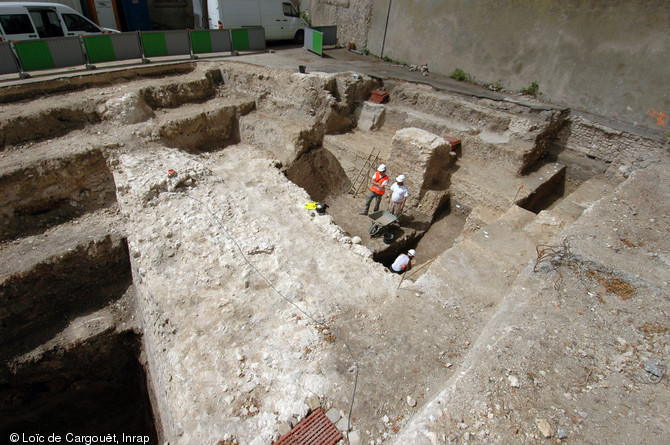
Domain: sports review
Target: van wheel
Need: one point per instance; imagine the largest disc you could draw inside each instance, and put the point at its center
(299, 37)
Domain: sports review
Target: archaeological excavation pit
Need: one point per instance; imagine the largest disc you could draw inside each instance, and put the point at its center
(162, 275)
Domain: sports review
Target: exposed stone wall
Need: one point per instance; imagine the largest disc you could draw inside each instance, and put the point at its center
(619, 147)
(606, 58)
(425, 159)
(352, 18)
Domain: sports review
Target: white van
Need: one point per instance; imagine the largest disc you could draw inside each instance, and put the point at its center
(280, 19)
(28, 21)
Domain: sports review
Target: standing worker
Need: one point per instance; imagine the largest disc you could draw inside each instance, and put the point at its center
(398, 196)
(378, 185)
(404, 262)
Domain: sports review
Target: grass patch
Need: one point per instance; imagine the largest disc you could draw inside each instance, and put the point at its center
(460, 75)
(532, 90)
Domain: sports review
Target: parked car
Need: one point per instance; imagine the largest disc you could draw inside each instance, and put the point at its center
(28, 21)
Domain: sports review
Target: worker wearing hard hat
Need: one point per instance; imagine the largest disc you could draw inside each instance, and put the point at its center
(398, 196)
(378, 185)
(404, 262)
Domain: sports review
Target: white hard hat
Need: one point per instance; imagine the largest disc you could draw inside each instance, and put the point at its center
(411, 252)
(400, 178)
(382, 168)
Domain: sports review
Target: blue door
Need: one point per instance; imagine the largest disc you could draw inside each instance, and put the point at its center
(135, 15)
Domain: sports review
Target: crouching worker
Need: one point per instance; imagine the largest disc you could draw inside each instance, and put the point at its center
(404, 262)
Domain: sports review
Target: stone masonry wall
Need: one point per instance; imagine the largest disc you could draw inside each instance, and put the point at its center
(621, 148)
(605, 58)
(352, 18)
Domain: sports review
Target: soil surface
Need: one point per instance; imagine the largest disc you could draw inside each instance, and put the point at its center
(526, 328)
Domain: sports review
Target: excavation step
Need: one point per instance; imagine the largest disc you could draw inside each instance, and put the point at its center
(475, 184)
(514, 135)
(49, 279)
(50, 184)
(18, 125)
(203, 127)
(285, 137)
(571, 207)
(488, 259)
(173, 95)
(25, 91)
(623, 232)
(64, 111)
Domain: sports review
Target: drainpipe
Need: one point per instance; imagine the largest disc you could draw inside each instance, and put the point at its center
(388, 12)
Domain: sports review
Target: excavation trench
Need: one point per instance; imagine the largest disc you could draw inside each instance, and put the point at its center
(96, 386)
(320, 173)
(97, 382)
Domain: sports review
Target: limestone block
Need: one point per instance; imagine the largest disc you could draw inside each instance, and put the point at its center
(433, 200)
(427, 161)
(372, 116)
(127, 109)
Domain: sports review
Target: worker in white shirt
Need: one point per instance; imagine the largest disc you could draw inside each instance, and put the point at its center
(404, 262)
(398, 196)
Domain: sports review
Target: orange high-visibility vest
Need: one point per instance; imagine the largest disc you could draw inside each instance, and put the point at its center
(379, 180)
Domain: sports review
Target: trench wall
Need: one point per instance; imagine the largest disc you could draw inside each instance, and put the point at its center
(607, 57)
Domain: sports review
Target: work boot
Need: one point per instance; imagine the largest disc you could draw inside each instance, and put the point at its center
(362, 213)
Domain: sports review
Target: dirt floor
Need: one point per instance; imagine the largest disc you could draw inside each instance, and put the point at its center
(515, 325)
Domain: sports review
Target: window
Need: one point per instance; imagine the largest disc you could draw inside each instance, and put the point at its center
(16, 24)
(289, 10)
(47, 22)
(75, 22)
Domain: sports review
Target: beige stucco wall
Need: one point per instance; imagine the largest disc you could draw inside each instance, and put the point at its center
(607, 57)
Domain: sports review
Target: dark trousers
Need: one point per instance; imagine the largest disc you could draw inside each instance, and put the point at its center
(372, 195)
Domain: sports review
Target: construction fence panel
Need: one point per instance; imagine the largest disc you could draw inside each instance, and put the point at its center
(166, 43)
(55, 52)
(211, 41)
(8, 62)
(252, 38)
(329, 34)
(113, 47)
(313, 41)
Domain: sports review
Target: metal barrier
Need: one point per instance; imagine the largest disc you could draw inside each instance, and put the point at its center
(313, 41)
(211, 41)
(329, 34)
(113, 47)
(55, 52)
(165, 43)
(58, 52)
(252, 38)
(8, 63)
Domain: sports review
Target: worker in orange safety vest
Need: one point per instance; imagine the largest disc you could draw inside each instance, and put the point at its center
(378, 185)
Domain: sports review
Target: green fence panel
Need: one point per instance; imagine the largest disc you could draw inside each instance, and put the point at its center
(317, 43)
(240, 38)
(154, 44)
(201, 42)
(99, 49)
(34, 54)
(313, 41)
